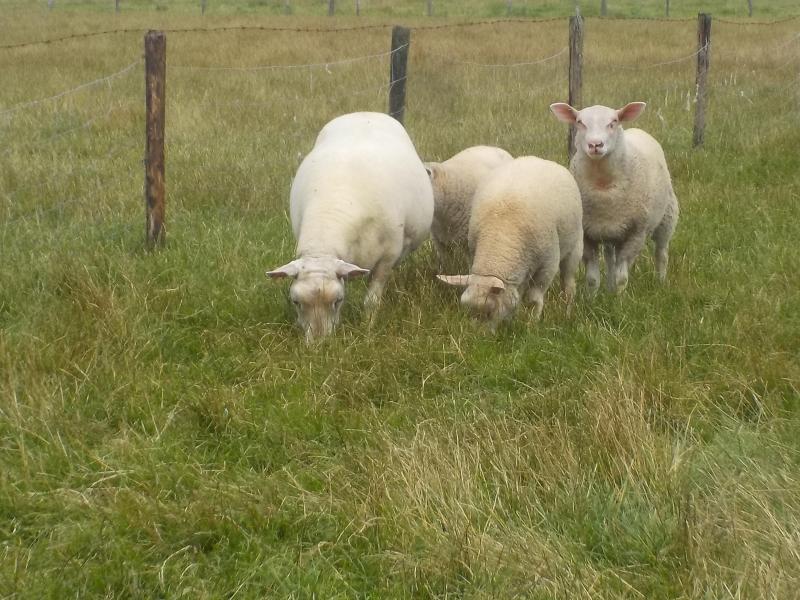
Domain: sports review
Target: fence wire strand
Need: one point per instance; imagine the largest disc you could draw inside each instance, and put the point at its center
(509, 65)
(82, 86)
(324, 65)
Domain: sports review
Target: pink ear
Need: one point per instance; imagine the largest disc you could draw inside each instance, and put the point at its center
(459, 280)
(346, 270)
(288, 270)
(564, 112)
(631, 111)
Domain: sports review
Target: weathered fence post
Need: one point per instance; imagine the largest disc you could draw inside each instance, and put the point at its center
(116, 5)
(750, 8)
(509, 7)
(703, 55)
(398, 66)
(203, 7)
(575, 73)
(331, 7)
(155, 68)
(603, 8)
(358, 8)
(666, 8)
(430, 7)
(287, 7)
(50, 4)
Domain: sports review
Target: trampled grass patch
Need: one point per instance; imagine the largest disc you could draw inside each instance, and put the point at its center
(164, 432)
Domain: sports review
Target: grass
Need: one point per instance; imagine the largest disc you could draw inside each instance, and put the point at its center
(419, 8)
(165, 433)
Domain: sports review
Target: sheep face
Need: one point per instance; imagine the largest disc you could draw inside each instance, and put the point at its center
(486, 297)
(317, 292)
(598, 129)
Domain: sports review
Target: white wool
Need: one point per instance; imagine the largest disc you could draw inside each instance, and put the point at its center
(525, 227)
(361, 200)
(626, 191)
(454, 183)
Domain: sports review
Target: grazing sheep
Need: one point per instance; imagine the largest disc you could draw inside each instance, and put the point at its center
(360, 202)
(626, 191)
(454, 183)
(525, 227)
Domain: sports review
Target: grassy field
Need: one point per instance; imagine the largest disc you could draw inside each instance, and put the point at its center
(164, 432)
(764, 9)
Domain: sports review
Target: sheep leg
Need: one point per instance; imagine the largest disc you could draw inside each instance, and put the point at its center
(377, 282)
(539, 283)
(592, 262)
(661, 237)
(568, 269)
(626, 254)
(609, 255)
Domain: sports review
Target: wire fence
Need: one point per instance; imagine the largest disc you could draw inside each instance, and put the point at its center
(445, 84)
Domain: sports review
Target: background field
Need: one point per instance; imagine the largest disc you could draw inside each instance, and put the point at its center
(164, 433)
(419, 8)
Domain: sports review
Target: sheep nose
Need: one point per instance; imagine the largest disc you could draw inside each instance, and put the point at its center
(595, 145)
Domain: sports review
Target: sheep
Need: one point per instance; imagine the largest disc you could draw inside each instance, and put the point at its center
(525, 226)
(454, 183)
(360, 202)
(625, 188)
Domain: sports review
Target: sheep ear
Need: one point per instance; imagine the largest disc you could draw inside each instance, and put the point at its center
(291, 269)
(631, 111)
(496, 289)
(433, 169)
(345, 270)
(459, 280)
(564, 112)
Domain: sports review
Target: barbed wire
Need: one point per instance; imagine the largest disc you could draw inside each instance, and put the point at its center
(227, 28)
(104, 79)
(325, 65)
(775, 22)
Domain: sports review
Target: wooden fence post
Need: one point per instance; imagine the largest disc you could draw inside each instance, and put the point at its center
(358, 8)
(430, 8)
(750, 8)
(50, 4)
(155, 57)
(575, 73)
(116, 5)
(603, 8)
(509, 7)
(331, 7)
(398, 67)
(666, 8)
(203, 7)
(287, 7)
(703, 55)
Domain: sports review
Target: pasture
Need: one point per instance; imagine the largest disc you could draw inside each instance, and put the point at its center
(165, 433)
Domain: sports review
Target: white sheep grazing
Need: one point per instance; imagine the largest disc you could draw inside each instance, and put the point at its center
(360, 202)
(454, 183)
(525, 227)
(626, 191)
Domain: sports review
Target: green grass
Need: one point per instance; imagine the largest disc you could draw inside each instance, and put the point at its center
(165, 433)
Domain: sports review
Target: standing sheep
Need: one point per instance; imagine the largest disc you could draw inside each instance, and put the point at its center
(454, 183)
(626, 191)
(525, 227)
(360, 202)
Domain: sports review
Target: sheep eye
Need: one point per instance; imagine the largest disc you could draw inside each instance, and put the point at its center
(613, 124)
